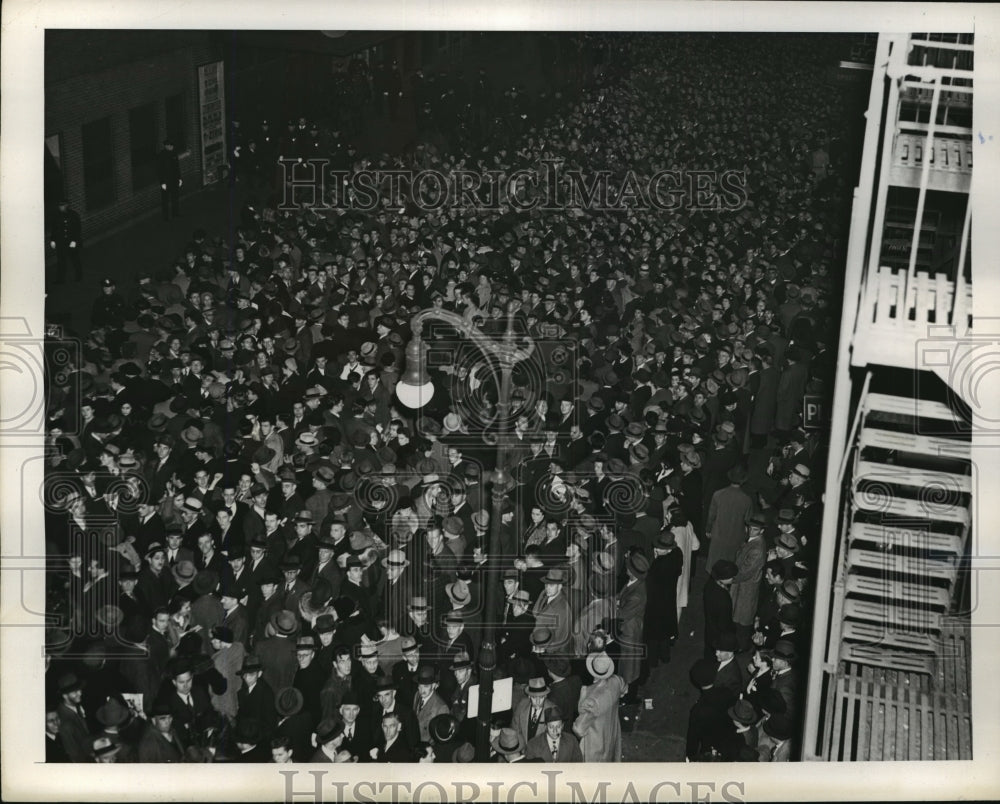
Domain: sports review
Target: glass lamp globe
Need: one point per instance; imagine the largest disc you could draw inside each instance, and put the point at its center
(414, 396)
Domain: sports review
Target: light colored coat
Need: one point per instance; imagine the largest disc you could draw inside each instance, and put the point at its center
(592, 615)
(597, 725)
(435, 706)
(687, 541)
(228, 662)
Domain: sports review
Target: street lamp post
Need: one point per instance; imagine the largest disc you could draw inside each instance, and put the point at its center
(414, 390)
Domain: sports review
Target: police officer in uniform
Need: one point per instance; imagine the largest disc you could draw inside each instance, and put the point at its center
(65, 240)
(109, 313)
(169, 172)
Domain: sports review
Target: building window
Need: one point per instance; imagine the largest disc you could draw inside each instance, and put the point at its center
(143, 145)
(98, 164)
(177, 122)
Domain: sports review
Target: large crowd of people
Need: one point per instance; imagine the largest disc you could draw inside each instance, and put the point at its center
(258, 554)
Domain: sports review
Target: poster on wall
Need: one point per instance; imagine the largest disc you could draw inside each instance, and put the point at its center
(212, 105)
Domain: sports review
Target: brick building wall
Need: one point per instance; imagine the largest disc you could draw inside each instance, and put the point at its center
(93, 75)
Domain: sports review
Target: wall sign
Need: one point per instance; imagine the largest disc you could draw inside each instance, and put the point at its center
(814, 413)
(212, 105)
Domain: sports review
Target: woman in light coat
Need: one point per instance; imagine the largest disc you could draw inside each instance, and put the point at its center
(687, 541)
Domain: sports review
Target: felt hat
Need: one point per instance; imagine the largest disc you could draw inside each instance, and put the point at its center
(537, 686)
(443, 728)
(790, 613)
(555, 575)
(184, 572)
(396, 558)
(284, 623)
(785, 649)
(789, 541)
(205, 582)
(222, 633)
(521, 596)
(288, 702)
(743, 712)
(703, 672)
(638, 564)
(600, 665)
(737, 474)
(112, 713)
(458, 593)
(786, 516)
(508, 742)
(251, 664)
(724, 570)
(104, 746)
(603, 562)
(778, 726)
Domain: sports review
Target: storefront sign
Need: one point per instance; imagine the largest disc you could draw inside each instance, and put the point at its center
(212, 103)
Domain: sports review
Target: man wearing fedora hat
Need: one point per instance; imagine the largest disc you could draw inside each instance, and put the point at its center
(514, 638)
(427, 703)
(775, 739)
(120, 725)
(631, 612)
(161, 742)
(528, 718)
(556, 744)
(784, 676)
(293, 586)
(277, 651)
(206, 609)
(329, 736)
(252, 745)
(749, 560)
(255, 698)
(729, 511)
(738, 741)
(511, 746)
(660, 621)
(302, 541)
(464, 678)
(73, 729)
(708, 720)
(552, 610)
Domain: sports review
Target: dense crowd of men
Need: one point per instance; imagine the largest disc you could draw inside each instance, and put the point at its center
(259, 554)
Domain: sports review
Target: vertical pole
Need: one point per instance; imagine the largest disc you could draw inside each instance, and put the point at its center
(487, 651)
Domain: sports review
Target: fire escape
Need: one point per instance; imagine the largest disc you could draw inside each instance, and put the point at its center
(889, 669)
